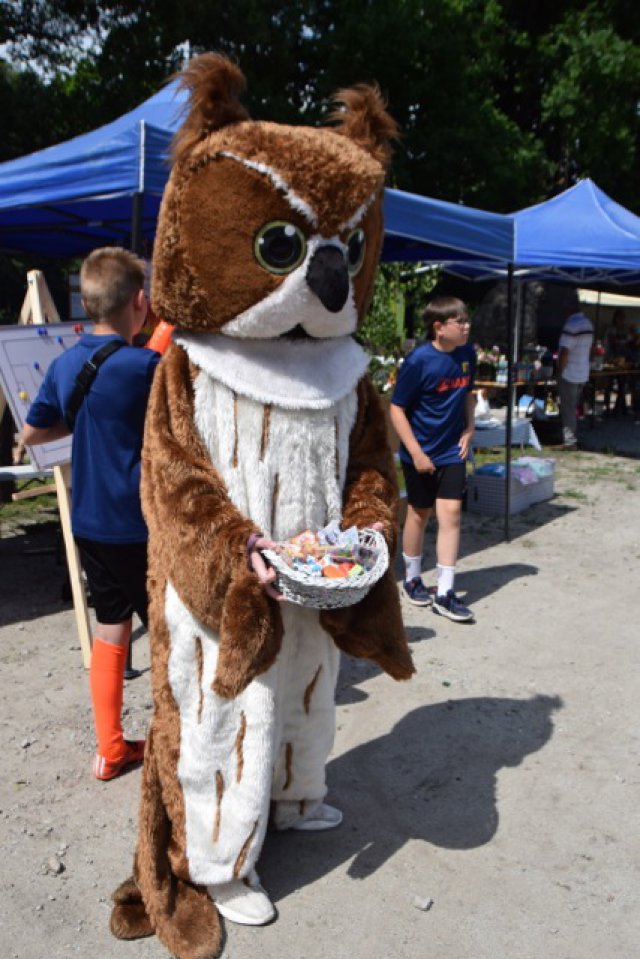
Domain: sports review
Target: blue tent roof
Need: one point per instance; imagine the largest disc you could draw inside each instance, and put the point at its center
(72, 197)
(579, 236)
(421, 228)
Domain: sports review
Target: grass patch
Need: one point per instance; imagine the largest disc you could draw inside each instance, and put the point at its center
(600, 472)
(30, 508)
(575, 494)
(613, 472)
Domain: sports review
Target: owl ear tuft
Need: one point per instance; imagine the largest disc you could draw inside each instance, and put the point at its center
(214, 83)
(362, 116)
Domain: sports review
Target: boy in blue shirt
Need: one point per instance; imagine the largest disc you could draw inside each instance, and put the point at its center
(432, 411)
(106, 515)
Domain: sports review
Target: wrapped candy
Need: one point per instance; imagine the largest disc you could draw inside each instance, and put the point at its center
(332, 552)
(329, 535)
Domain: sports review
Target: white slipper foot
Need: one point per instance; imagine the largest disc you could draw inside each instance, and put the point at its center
(318, 818)
(246, 904)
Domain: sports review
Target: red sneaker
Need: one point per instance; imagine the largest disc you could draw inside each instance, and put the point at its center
(104, 769)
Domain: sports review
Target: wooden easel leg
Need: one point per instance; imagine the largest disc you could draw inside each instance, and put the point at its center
(62, 477)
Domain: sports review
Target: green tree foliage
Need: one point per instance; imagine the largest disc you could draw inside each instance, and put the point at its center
(501, 103)
(29, 111)
(590, 106)
(400, 292)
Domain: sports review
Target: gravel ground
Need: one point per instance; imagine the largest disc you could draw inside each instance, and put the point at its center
(488, 803)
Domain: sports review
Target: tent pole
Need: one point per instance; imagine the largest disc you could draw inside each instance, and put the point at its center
(516, 332)
(511, 320)
(522, 319)
(136, 223)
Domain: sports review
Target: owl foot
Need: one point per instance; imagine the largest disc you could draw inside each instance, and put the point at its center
(319, 817)
(243, 901)
(129, 919)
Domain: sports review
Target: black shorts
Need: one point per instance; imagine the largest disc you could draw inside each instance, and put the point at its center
(117, 577)
(423, 489)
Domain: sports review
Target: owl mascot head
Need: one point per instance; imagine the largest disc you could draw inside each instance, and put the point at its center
(261, 421)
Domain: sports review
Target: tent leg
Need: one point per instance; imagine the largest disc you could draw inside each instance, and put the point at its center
(597, 322)
(136, 223)
(511, 321)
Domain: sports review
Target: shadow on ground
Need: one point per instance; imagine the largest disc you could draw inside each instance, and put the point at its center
(34, 573)
(355, 672)
(611, 434)
(480, 531)
(478, 583)
(432, 778)
(35, 581)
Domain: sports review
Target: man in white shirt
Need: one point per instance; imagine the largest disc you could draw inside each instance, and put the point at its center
(576, 341)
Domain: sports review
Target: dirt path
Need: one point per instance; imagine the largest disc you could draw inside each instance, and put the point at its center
(501, 783)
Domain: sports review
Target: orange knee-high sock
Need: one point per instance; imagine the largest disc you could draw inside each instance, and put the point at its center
(106, 676)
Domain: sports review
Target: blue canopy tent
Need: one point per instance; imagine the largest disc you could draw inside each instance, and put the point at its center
(580, 236)
(100, 188)
(419, 228)
(104, 187)
(72, 197)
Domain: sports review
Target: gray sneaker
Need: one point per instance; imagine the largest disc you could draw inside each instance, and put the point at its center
(451, 607)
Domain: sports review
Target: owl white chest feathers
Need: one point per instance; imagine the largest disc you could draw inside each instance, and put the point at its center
(276, 423)
(276, 420)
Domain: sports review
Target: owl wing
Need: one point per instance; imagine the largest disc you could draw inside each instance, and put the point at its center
(373, 628)
(198, 538)
(371, 487)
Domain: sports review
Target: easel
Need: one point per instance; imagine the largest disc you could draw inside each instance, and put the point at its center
(38, 306)
(37, 309)
(62, 476)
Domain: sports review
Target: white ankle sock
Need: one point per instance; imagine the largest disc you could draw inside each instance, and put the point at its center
(412, 566)
(445, 578)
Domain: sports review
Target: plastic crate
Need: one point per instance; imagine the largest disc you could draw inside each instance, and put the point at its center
(486, 493)
(542, 490)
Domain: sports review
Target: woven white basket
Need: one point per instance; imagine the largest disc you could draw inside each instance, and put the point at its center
(320, 592)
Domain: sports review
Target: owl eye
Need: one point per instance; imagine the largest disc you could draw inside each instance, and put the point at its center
(280, 247)
(355, 251)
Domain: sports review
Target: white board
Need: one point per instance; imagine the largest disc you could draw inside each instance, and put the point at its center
(26, 353)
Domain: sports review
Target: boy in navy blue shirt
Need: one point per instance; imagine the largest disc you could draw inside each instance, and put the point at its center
(432, 411)
(106, 515)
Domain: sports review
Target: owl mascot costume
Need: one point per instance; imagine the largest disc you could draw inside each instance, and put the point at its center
(261, 422)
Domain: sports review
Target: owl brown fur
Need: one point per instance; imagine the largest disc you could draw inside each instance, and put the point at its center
(231, 176)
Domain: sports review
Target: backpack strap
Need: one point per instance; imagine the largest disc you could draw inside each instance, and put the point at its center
(85, 378)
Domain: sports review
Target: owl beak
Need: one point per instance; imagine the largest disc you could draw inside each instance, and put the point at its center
(328, 277)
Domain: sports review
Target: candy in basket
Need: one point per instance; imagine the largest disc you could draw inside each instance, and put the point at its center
(331, 568)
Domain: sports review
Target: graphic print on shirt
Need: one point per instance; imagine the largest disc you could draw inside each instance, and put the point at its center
(455, 383)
